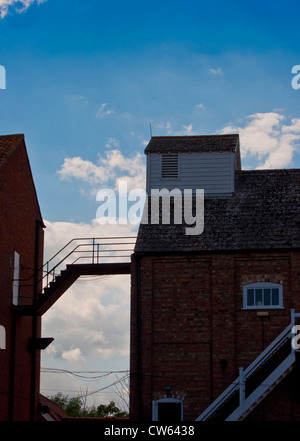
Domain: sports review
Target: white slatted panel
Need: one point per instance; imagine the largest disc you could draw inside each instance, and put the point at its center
(169, 165)
(214, 172)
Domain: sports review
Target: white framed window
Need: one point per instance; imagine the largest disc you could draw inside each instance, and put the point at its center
(167, 409)
(264, 295)
(170, 165)
(2, 338)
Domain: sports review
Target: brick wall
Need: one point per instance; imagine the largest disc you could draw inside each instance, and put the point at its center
(194, 332)
(18, 216)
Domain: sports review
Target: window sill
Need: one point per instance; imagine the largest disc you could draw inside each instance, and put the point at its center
(264, 308)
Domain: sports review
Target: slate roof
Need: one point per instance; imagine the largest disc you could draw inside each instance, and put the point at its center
(7, 145)
(263, 213)
(206, 143)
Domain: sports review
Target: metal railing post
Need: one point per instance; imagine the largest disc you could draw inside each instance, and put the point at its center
(292, 318)
(294, 329)
(47, 272)
(242, 388)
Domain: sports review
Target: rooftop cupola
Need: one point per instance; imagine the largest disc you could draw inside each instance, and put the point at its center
(193, 162)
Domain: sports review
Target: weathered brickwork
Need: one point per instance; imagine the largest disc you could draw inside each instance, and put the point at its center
(193, 332)
(189, 329)
(19, 217)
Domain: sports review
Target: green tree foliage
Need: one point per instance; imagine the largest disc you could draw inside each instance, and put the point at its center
(74, 407)
(105, 410)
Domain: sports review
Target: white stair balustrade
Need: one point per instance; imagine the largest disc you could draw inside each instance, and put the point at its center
(255, 382)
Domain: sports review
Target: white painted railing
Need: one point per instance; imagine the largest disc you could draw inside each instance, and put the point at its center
(238, 386)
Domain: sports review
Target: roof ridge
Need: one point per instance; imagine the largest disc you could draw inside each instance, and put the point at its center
(197, 136)
(12, 134)
(196, 143)
(269, 170)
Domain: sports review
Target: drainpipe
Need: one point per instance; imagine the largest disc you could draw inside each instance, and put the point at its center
(139, 341)
(12, 370)
(35, 322)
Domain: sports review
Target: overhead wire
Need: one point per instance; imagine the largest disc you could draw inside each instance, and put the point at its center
(78, 374)
(104, 374)
(114, 383)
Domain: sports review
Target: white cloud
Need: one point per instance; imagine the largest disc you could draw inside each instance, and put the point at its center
(74, 357)
(268, 138)
(101, 113)
(217, 71)
(18, 5)
(92, 317)
(188, 130)
(90, 323)
(293, 128)
(58, 234)
(79, 168)
(90, 320)
(200, 106)
(165, 126)
(112, 142)
(110, 168)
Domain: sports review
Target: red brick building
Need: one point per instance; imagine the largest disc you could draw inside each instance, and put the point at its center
(206, 305)
(21, 244)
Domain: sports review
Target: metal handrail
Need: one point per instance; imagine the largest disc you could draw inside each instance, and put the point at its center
(244, 374)
(96, 244)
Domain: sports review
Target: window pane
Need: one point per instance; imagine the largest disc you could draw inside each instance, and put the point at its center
(169, 412)
(275, 296)
(250, 297)
(267, 296)
(258, 297)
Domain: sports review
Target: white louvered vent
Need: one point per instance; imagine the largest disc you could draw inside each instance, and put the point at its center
(170, 165)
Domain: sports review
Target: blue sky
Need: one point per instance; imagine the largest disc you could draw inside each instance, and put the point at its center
(209, 64)
(84, 80)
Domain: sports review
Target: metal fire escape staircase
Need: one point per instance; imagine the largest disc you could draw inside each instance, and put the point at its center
(79, 257)
(257, 381)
